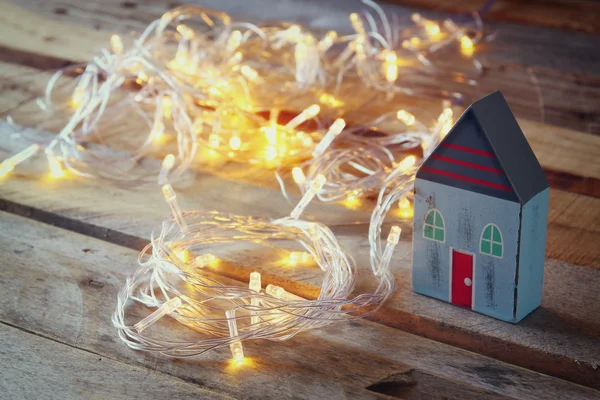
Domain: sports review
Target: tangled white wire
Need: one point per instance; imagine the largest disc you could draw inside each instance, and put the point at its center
(195, 79)
(172, 278)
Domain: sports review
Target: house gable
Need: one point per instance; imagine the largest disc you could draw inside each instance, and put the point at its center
(465, 159)
(486, 152)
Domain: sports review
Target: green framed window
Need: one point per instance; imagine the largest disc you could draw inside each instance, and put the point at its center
(433, 228)
(491, 241)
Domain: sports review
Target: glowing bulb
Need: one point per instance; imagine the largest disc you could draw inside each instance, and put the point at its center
(271, 133)
(315, 187)
(237, 350)
(294, 32)
(406, 163)
(271, 153)
(353, 199)
(300, 258)
(77, 99)
(254, 285)
(405, 117)
(406, 210)
(394, 235)
(167, 106)
(171, 199)
(334, 130)
(330, 100)
(56, 169)
(6, 167)
(185, 31)
(300, 52)
(116, 44)
(249, 72)
(432, 28)
(298, 175)
(142, 77)
(168, 162)
(391, 66)
(235, 143)
(444, 123)
(166, 308)
(337, 126)
(466, 45)
(184, 255)
(327, 41)
(204, 260)
(214, 140)
(280, 293)
(312, 111)
(235, 39)
(158, 132)
(357, 24)
(306, 114)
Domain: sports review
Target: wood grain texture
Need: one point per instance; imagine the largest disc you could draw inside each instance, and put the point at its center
(79, 278)
(63, 286)
(516, 43)
(547, 341)
(54, 370)
(578, 15)
(529, 67)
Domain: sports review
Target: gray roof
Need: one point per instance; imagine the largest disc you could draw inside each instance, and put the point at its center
(486, 152)
(510, 145)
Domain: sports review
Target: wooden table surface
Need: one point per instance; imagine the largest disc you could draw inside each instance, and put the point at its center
(68, 245)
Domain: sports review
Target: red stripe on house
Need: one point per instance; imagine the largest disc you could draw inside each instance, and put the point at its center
(467, 149)
(466, 178)
(466, 164)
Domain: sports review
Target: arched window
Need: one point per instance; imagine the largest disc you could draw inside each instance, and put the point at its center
(434, 226)
(491, 241)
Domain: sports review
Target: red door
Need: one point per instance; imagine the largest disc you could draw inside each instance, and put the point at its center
(462, 279)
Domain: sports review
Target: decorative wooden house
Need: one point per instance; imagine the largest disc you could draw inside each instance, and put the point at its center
(481, 208)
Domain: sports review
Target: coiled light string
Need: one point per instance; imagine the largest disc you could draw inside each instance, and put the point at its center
(196, 80)
(173, 279)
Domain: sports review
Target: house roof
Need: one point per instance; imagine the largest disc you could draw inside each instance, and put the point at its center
(486, 152)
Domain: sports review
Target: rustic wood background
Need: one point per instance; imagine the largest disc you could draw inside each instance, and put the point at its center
(68, 245)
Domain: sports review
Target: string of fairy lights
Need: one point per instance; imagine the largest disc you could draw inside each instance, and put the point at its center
(196, 85)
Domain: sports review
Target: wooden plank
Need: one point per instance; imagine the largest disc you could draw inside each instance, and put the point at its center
(56, 370)
(62, 286)
(515, 44)
(571, 97)
(127, 217)
(568, 157)
(578, 15)
(97, 206)
(248, 198)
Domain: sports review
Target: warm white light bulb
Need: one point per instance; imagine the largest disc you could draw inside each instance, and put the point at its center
(166, 308)
(168, 162)
(394, 235)
(405, 117)
(116, 44)
(298, 175)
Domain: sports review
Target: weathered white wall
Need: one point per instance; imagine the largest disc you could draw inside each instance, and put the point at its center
(465, 216)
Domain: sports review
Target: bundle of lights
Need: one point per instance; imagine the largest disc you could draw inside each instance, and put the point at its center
(357, 166)
(174, 278)
(197, 82)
